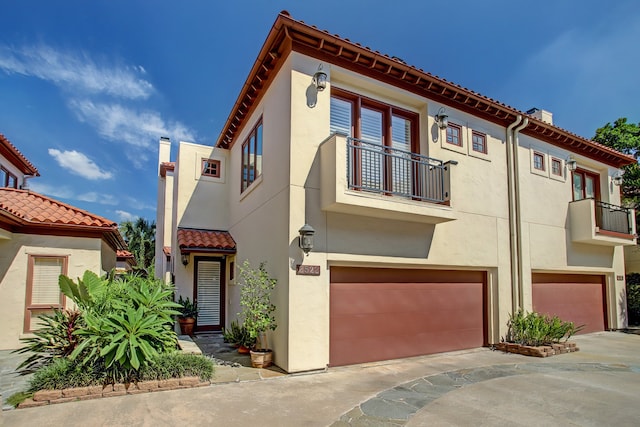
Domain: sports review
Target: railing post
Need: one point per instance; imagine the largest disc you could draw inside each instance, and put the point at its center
(446, 181)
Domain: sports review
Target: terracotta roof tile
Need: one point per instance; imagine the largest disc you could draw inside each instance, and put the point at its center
(123, 254)
(194, 239)
(34, 208)
(166, 167)
(167, 250)
(8, 150)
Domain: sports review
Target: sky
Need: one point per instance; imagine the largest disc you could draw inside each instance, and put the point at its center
(87, 88)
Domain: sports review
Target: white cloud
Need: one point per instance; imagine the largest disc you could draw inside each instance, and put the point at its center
(118, 123)
(63, 192)
(79, 164)
(125, 216)
(75, 72)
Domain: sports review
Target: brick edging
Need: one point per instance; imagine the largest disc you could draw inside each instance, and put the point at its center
(537, 351)
(49, 397)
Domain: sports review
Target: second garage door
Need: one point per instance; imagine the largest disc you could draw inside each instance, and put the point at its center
(574, 298)
(380, 314)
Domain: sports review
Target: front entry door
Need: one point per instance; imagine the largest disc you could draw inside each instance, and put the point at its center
(209, 293)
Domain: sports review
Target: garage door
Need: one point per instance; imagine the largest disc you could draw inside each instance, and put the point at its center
(380, 314)
(572, 297)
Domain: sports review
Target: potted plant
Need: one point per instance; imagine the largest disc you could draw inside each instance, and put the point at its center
(257, 311)
(239, 337)
(188, 315)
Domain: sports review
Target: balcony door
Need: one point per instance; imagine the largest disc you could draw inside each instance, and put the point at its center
(386, 136)
(586, 185)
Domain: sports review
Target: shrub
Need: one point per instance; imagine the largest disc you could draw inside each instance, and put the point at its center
(176, 365)
(255, 300)
(55, 339)
(187, 308)
(633, 298)
(64, 373)
(535, 329)
(238, 335)
(17, 398)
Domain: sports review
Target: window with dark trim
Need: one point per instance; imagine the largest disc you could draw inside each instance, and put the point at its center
(479, 142)
(454, 134)
(586, 185)
(556, 167)
(211, 168)
(252, 157)
(43, 292)
(379, 129)
(7, 179)
(538, 161)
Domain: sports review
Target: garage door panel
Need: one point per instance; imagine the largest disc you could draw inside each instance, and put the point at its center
(378, 319)
(575, 298)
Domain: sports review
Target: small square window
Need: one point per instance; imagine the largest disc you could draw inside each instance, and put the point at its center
(211, 168)
(479, 142)
(556, 167)
(454, 134)
(538, 161)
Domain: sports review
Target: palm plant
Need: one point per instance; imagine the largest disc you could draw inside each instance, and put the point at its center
(140, 236)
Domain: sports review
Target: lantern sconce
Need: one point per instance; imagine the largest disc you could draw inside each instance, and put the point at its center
(572, 165)
(305, 241)
(320, 79)
(441, 118)
(185, 259)
(617, 179)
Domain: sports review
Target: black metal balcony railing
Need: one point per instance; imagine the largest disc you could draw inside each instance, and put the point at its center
(386, 170)
(613, 218)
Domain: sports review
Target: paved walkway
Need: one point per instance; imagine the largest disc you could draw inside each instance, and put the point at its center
(599, 385)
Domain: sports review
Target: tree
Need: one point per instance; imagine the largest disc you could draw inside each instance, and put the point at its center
(141, 239)
(624, 137)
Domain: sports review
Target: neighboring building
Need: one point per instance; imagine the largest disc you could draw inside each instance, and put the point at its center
(412, 255)
(125, 261)
(41, 238)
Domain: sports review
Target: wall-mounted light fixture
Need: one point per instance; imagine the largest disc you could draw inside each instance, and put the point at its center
(305, 241)
(617, 179)
(572, 165)
(441, 118)
(185, 259)
(320, 79)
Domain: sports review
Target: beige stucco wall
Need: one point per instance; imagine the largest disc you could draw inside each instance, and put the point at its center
(83, 254)
(164, 213)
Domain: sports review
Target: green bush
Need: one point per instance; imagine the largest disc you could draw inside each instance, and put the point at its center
(633, 298)
(535, 329)
(55, 339)
(177, 365)
(17, 398)
(255, 299)
(64, 373)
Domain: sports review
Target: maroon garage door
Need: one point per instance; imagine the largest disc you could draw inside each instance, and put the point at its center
(572, 297)
(380, 314)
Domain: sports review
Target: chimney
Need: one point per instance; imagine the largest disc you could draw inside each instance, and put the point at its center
(544, 115)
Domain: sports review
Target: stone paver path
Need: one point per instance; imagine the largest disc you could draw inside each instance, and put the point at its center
(394, 407)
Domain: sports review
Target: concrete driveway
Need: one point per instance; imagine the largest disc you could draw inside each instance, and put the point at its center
(599, 385)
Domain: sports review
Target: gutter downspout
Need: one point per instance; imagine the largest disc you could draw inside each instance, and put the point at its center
(516, 171)
(513, 237)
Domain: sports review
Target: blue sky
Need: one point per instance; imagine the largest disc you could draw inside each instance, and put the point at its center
(88, 87)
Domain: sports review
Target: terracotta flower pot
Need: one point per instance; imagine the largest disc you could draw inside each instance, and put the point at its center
(186, 325)
(261, 359)
(243, 350)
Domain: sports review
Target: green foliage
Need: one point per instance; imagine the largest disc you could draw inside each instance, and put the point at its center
(17, 398)
(55, 339)
(176, 365)
(238, 335)
(187, 308)
(64, 373)
(633, 298)
(86, 291)
(141, 239)
(625, 137)
(257, 309)
(535, 329)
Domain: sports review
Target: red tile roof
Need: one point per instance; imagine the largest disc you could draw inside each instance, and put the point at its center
(289, 34)
(167, 250)
(123, 254)
(194, 240)
(166, 167)
(25, 209)
(8, 150)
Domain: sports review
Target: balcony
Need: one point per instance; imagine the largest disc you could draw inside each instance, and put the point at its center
(362, 178)
(601, 223)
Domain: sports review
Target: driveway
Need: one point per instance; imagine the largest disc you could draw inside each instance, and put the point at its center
(599, 385)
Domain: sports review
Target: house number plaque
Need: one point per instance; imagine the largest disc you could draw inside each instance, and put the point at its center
(307, 270)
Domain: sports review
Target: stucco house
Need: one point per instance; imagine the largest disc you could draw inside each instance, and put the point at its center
(437, 211)
(41, 238)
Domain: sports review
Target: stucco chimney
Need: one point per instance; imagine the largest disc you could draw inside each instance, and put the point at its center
(540, 114)
(164, 151)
